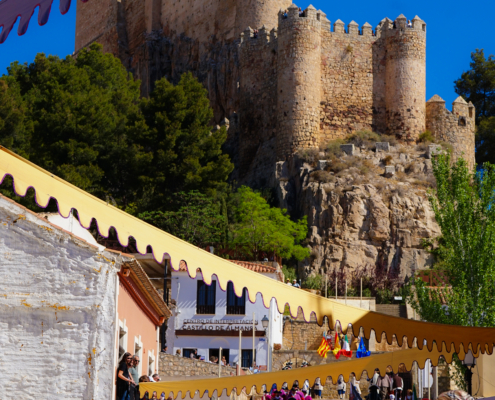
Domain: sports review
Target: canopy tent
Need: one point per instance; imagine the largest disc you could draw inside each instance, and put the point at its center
(334, 370)
(46, 186)
(448, 338)
(10, 10)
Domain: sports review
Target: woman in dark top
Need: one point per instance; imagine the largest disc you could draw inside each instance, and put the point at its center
(124, 378)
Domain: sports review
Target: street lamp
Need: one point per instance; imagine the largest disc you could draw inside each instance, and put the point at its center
(469, 361)
(265, 322)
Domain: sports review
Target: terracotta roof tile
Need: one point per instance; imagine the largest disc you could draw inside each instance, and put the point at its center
(252, 266)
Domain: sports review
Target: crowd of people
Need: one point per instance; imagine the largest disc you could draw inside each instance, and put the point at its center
(388, 387)
(128, 380)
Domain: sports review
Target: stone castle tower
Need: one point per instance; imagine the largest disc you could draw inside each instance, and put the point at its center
(281, 78)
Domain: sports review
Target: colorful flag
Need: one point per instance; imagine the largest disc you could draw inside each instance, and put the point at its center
(324, 347)
(336, 347)
(361, 351)
(346, 351)
(338, 351)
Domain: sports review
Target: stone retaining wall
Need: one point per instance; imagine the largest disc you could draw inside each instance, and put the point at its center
(171, 365)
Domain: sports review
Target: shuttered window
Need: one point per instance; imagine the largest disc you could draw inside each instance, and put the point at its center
(235, 305)
(206, 298)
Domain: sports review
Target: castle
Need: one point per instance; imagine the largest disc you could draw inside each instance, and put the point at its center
(281, 78)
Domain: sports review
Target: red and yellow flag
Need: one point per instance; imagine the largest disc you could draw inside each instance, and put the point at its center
(324, 348)
(336, 348)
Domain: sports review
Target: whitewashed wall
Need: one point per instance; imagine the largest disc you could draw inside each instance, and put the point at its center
(184, 290)
(57, 311)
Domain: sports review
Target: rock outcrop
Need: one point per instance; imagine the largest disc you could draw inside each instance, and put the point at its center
(367, 209)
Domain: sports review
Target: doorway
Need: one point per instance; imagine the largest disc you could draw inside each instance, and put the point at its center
(216, 353)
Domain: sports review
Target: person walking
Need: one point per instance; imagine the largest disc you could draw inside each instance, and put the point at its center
(375, 383)
(386, 386)
(124, 379)
(355, 383)
(317, 388)
(398, 386)
(341, 387)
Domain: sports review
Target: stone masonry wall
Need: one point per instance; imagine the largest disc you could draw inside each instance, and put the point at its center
(171, 365)
(257, 96)
(456, 128)
(347, 82)
(295, 85)
(405, 78)
(299, 76)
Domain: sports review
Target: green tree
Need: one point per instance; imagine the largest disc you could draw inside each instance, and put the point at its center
(186, 154)
(78, 116)
(256, 227)
(195, 218)
(464, 209)
(478, 84)
(83, 120)
(485, 140)
(463, 206)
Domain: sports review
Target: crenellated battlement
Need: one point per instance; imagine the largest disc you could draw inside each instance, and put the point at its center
(385, 28)
(456, 127)
(293, 78)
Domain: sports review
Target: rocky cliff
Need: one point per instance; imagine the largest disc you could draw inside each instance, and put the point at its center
(364, 207)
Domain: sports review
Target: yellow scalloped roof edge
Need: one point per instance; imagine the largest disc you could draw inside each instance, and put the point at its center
(47, 185)
(344, 368)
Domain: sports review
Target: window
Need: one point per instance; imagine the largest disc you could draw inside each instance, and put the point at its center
(187, 352)
(122, 338)
(235, 305)
(247, 358)
(462, 121)
(216, 353)
(206, 296)
(138, 347)
(151, 363)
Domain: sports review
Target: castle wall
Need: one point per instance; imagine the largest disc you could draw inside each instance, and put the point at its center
(299, 81)
(97, 21)
(457, 128)
(347, 81)
(257, 98)
(199, 19)
(405, 78)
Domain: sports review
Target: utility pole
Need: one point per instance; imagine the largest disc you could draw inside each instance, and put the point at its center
(220, 363)
(239, 358)
(254, 333)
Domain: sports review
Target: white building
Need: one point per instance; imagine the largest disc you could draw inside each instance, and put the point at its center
(206, 318)
(66, 306)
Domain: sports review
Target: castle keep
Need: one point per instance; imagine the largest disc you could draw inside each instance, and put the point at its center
(283, 80)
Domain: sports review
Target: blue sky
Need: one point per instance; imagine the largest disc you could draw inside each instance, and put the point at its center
(455, 29)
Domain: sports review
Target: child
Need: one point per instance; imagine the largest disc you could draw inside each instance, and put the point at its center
(341, 386)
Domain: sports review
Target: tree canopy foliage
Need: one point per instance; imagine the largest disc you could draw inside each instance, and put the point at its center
(83, 119)
(256, 227)
(478, 86)
(464, 209)
(193, 217)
